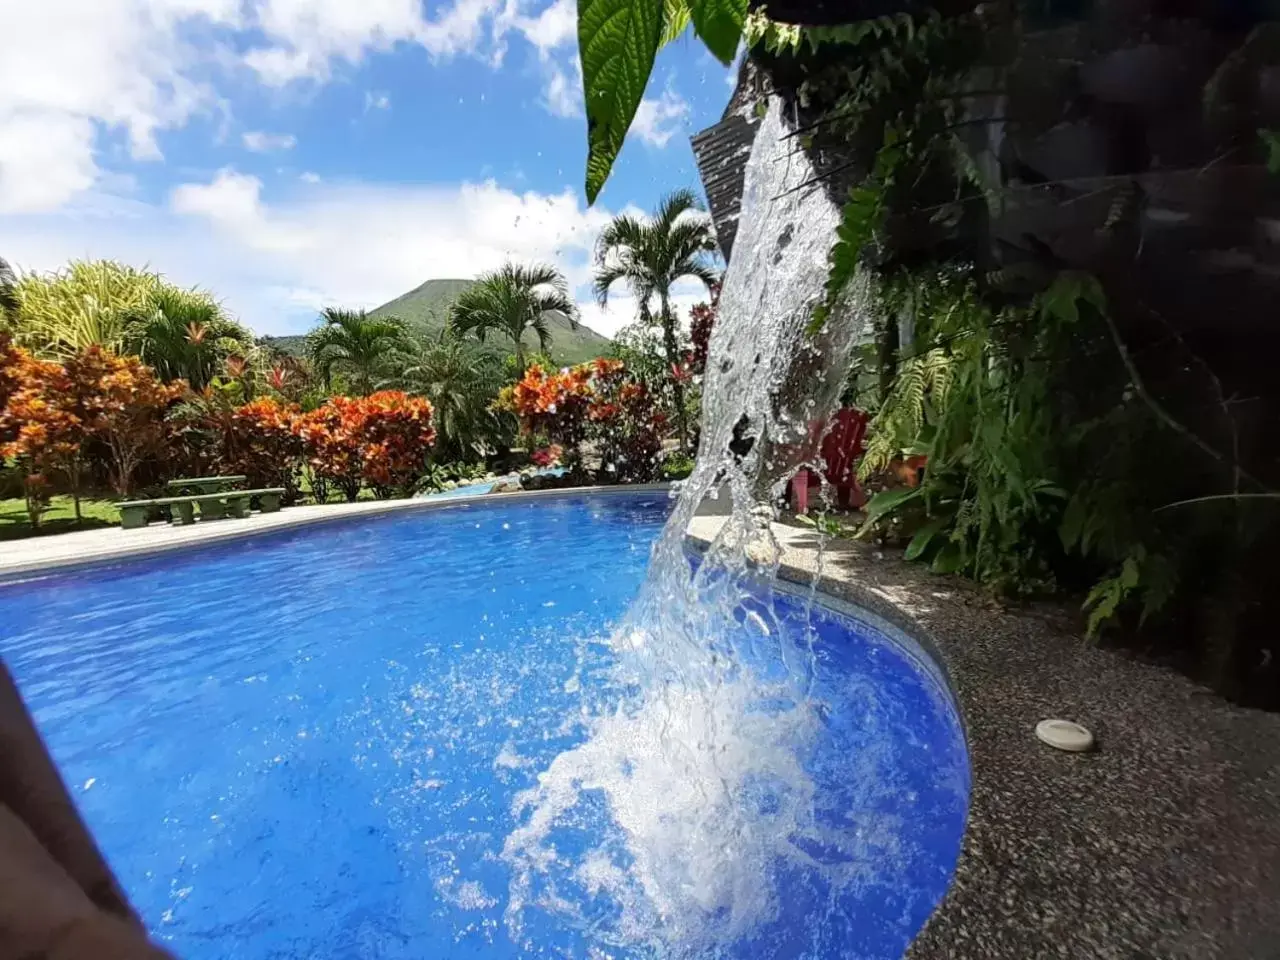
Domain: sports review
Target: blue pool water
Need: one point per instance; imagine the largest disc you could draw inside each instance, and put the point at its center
(312, 744)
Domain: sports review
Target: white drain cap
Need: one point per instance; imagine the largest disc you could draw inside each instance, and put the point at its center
(1064, 735)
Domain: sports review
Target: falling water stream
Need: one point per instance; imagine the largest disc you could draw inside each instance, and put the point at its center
(703, 773)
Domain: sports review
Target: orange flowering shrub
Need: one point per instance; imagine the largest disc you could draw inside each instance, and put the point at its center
(38, 424)
(599, 401)
(395, 436)
(381, 440)
(330, 437)
(627, 424)
(263, 444)
(123, 404)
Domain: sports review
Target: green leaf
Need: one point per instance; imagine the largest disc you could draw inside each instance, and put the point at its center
(920, 542)
(888, 500)
(675, 17)
(949, 559)
(617, 41)
(1271, 140)
(719, 24)
(1073, 519)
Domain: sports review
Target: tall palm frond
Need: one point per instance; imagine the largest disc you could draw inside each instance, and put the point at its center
(650, 256)
(356, 344)
(461, 380)
(514, 301)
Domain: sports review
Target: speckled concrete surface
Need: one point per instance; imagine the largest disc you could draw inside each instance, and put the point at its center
(1163, 843)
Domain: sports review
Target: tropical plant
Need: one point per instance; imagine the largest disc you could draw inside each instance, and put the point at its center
(38, 425)
(123, 405)
(515, 301)
(382, 440)
(552, 404)
(650, 256)
(395, 437)
(461, 381)
(330, 437)
(357, 345)
(87, 303)
(184, 335)
(263, 445)
(626, 424)
(617, 43)
(8, 291)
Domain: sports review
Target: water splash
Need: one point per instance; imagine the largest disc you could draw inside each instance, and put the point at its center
(698, 781)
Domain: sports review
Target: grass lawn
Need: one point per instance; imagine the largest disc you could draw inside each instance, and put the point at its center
(59, 518)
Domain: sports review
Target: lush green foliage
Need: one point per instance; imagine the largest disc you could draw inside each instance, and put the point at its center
(650, 256)
(461, 381)
(598, 402)
(184, 335)
(88, 303)
(355, 345)
(617, 43)
(514, 301)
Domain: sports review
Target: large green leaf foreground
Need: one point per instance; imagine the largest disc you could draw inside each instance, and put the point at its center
(425, 310)
(617, 42)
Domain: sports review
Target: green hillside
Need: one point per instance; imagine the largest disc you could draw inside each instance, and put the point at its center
(426, 309)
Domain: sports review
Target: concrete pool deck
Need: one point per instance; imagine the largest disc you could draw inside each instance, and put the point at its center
(1163, 843)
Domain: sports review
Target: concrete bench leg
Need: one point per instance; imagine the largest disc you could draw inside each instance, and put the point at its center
(212, 510)
(184, 514)
(269, 502)
(238, 507)
(132, 518)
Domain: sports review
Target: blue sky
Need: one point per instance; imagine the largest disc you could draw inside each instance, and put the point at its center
(292, 154)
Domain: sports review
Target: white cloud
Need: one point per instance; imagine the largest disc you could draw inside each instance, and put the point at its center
(308, 177)
(260, 142)
(623, 309)
(563, 94)
(305, 37)
(658, 120)
(275, 257)
(77, 74)
(72, 68)
(376, 100)
(554, 27)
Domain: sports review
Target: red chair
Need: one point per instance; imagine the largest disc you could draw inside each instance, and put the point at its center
(842, 448)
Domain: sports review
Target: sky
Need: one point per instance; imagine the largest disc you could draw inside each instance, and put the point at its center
(289, 155)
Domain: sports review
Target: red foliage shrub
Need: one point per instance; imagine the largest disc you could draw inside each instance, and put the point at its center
(38, 425)
(381, 440)
(598, 401)
(395, 436)
(263, 444)
(123, 404)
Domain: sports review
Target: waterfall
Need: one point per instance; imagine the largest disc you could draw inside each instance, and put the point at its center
(700, 772)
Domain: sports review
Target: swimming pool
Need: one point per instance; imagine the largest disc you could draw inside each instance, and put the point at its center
(322, 743)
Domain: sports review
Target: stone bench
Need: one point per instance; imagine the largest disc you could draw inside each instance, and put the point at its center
(213, 506)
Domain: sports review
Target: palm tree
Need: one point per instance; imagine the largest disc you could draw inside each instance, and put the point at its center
(8, 291)
(461, 380)
(650, 255)
(513, 301)
(355, 344)
(184, 334)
